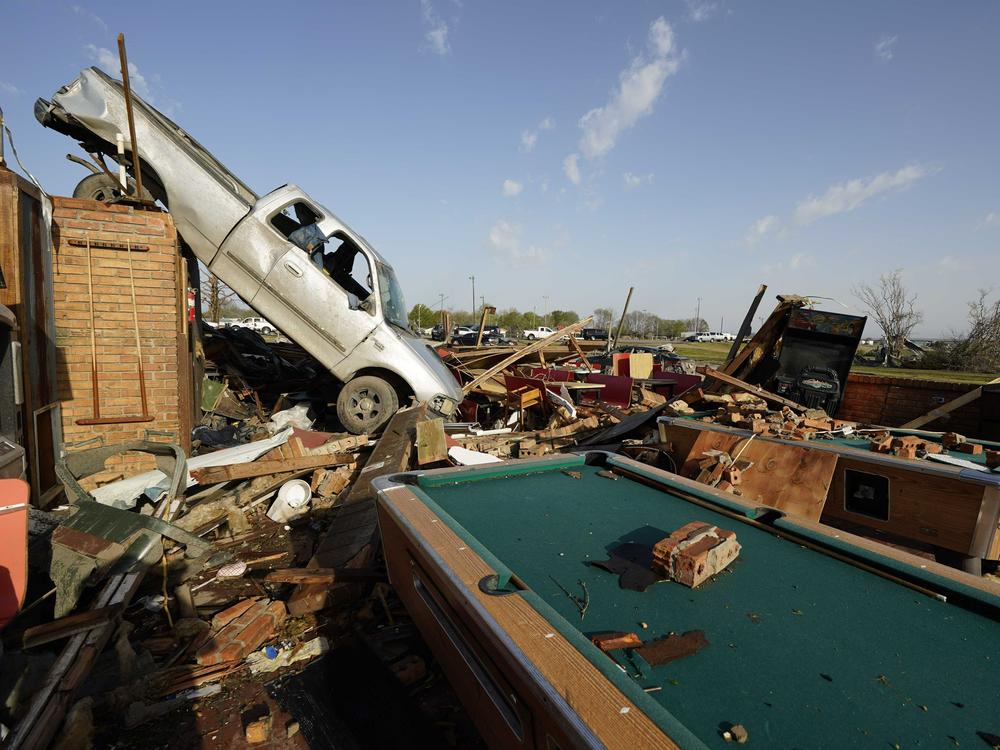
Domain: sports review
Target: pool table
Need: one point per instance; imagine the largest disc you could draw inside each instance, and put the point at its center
(949, 510)
(816, 637)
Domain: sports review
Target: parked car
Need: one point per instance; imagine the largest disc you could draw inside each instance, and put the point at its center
(594, 334)
(257, 324)
(469, 339)
(538, 333)
(437, 333)
(701, 338)
(292, 259)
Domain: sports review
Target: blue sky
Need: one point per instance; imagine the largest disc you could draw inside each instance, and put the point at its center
(570, 150)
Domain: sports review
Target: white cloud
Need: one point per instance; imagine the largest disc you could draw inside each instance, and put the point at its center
(505, 241)
(992, 218)
(701, 10)
(635, 180)
(761, 227)
(639, 87)
(530, 137)
(949, 263)
(9, 88)
(111, 64)
(436, 36)
(885, 47)
(90, 16)
(512, 188)
(797, 261)
(847, 196)
(571, 166)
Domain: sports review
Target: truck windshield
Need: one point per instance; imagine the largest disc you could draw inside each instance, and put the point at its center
(393, 304)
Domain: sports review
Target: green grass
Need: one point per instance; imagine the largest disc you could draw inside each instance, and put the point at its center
(716, 354)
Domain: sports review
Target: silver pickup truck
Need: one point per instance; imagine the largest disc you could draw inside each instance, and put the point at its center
(289, 257)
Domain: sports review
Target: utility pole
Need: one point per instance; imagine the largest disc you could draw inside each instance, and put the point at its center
(482, 301)
(545, 307)
(473, 280)
(697, 317)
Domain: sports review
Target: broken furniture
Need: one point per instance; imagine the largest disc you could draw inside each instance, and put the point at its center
(484, 557)
(98, 540)
(839, 480)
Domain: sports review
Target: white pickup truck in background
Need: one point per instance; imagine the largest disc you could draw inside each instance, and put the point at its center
(538, 333)
(260, 325)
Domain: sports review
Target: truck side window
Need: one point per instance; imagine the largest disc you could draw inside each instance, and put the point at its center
(294, 217)
(343, 261)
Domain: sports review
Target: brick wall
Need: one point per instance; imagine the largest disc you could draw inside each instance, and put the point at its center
(158, 296)
(892, 401)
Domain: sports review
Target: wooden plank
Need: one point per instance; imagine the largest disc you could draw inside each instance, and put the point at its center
(791, 478)
(536, 346)
(259, 468)
(432, 445)
(64, 627)
(323, 575)
(944, 409)
(745, 327)
(349, 541)
(710, 372)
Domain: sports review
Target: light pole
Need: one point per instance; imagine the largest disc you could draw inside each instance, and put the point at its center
(545, 307)
(473, 280)
(697, 317)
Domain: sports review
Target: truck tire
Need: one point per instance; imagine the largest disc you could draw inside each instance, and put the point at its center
(267, 331)
(531, 337)
(100, 187)
(365, 404)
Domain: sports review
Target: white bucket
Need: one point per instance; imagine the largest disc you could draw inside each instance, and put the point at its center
(292, 501)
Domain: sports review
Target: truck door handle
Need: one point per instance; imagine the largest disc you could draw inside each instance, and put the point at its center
(293, 269)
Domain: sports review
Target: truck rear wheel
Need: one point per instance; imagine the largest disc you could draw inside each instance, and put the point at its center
(365, 404)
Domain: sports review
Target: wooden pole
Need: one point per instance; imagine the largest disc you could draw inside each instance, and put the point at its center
(621, 321)
(745, 327)
(944, 409)
(123, 59)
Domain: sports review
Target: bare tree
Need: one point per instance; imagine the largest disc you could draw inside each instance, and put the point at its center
(892, 308)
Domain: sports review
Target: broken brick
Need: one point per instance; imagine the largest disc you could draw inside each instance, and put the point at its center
(694, 553)
(970, 449)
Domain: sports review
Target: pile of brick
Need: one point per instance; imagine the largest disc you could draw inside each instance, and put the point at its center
(720, 470)
(749, 411)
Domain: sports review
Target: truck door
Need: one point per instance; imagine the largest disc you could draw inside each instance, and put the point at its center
(324, 298)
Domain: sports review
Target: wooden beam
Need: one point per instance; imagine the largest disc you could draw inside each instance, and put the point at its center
(944, 409)
(774, 398)
(216, 474)
(432, 446)
(529, 349)
(64, 627)
(745, 328)
(324, 575)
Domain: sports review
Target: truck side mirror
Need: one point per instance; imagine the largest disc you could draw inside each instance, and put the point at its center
(353, 302)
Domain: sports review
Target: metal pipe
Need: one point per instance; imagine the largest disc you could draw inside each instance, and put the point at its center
(123, 59)
(122, 178)
(2, 162)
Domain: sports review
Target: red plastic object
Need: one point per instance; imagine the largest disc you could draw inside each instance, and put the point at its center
(13, 547)
(617, 390)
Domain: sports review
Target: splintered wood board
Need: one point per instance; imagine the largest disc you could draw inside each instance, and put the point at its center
(791, 478)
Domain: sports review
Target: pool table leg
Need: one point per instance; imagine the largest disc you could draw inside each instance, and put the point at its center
(973, 565)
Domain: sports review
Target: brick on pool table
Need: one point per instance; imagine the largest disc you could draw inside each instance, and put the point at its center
(694, 553)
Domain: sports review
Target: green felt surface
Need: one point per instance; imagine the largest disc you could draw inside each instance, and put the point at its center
(805, 650)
